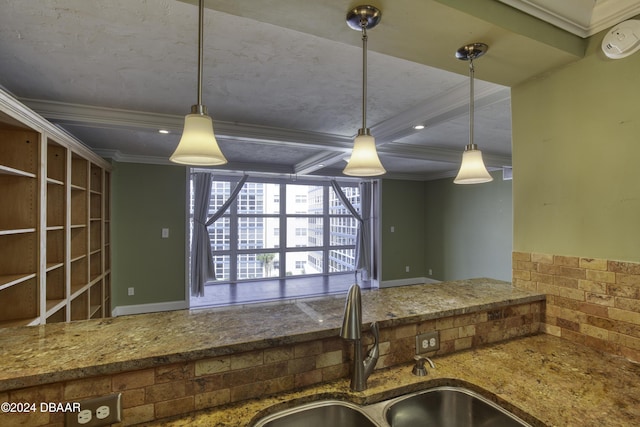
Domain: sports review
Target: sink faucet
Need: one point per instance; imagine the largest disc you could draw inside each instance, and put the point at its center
(351, 330)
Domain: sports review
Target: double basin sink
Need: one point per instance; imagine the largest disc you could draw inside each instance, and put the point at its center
(435, 407)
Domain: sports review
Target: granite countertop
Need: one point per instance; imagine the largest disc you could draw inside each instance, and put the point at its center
(57, 352)
(545, 380)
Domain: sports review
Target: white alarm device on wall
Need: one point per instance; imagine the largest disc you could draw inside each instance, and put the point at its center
(622, 40)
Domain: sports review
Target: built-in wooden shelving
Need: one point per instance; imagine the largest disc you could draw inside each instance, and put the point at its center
(54, 230)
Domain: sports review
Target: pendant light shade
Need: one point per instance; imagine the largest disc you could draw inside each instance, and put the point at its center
(472, 169)
(198, 145)
(364, 160)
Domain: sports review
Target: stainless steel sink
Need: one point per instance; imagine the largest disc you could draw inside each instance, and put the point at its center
(448, 407)
(319, 414)
(434, 407)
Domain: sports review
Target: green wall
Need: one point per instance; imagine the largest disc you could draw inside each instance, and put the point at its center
(457, 231)
(145, 199)
(469, 229)
(576, 146)
(403, 208)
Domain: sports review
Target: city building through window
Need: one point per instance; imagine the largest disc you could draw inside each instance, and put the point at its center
(278, 228)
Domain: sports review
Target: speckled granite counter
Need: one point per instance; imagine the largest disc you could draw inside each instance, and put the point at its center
(59, 352)
(544, 380)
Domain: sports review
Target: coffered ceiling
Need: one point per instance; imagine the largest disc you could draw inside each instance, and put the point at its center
(282, 78)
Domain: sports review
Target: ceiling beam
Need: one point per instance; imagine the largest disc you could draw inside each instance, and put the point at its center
(431, 112)
(319, 161)
(101, 117)
(438, 109)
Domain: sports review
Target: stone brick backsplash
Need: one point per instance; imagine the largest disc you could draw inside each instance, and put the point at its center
(176, 389)
(595, 302)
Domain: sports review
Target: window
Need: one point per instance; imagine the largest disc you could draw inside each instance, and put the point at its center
(276, 228)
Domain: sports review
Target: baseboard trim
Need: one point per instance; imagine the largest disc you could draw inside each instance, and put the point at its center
(124, 310)
(405, 282)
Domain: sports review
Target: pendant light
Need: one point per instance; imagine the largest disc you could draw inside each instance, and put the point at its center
(364, 159)
(198, 145)
(472, 169)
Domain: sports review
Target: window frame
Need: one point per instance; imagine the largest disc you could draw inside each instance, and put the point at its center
(331, 254)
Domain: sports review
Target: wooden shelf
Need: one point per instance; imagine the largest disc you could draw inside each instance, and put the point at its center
(95, 311)
(80, 306)
(54, 181)
(55, 305)
(14, 279)
(96, 298)
(20, 301)
(58, 316)
(19, 322)
(54, 199)
(5, 170)
(17, 231)
(53, 265)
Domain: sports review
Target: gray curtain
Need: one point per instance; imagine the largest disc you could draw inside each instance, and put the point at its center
(202, 266)
(222, 209)
(363, 261)
(366, 261)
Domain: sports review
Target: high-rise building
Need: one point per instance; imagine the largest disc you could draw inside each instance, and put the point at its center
(280, 229)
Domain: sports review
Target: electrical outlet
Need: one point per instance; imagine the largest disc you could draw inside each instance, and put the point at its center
(131, 291)
(427, 342)
(406, 269)
(84, 416)
(96, 412)
(103, 412)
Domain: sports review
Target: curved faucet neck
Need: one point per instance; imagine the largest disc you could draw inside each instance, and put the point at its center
(352, 330)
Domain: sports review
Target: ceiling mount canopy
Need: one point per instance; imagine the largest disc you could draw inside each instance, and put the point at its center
(471, 51)
(364, 160)
(472, 169)
(198, 145)
(367, 16)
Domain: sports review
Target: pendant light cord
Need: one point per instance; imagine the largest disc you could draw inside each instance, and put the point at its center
(471, 103)
(200, 53)
(363, 23)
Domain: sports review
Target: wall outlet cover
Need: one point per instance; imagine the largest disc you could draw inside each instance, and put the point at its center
(96, 412)
(428, 342)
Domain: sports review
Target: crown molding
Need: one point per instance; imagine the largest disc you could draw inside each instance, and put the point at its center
(603, 14)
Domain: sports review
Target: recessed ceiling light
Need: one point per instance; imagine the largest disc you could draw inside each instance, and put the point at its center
(418, 127)
(163, 131)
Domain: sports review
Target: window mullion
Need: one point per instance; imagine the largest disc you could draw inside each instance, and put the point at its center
(233, 236)
(326, 226)
(282, 250)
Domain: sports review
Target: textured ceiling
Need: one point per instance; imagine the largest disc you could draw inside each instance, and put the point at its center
(282, 81)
